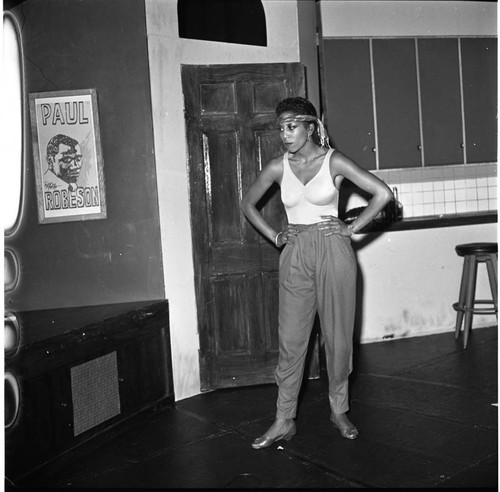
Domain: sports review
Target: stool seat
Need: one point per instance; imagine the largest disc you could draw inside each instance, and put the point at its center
(476, 249)
(466, 307)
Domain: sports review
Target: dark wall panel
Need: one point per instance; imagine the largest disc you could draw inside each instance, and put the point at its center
(97, 44)
(398, 126)
(441, 105)
(348, 99)
(480, 81)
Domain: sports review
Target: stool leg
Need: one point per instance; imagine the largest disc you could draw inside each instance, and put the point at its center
(470, 297)
(461, 296)
(491, 265)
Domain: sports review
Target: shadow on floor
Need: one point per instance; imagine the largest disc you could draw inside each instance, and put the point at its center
(425, 409)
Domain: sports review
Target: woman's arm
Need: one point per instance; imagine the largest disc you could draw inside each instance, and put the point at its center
(381, 194)
(271, 173)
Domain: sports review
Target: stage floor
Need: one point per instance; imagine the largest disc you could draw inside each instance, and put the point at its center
(425, 409)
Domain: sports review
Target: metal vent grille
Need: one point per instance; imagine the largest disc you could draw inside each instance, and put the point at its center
(95, 393)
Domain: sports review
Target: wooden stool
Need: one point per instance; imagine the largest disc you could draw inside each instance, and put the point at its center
(475, 253)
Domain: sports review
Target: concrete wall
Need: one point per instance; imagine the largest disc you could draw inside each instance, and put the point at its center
(407, 18)
(410, 279)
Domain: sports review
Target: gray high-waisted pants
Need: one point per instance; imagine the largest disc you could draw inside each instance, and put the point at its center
(317, 274)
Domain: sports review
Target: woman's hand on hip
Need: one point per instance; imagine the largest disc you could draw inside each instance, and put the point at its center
(287, 236)
(333, 225)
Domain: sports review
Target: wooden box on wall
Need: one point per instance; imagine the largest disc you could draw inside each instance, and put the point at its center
(84, 380)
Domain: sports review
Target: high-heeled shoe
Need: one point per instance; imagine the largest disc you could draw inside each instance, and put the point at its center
(346, 432)
(265, 441)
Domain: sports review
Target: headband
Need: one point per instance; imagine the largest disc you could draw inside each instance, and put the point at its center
(323, 137)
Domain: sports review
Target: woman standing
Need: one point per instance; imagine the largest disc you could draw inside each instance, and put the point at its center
(317, 271)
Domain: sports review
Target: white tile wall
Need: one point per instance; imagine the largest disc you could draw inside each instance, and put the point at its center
(441, 190)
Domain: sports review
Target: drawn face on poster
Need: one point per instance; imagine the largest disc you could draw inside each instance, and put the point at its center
(68, 157)
(64, 159)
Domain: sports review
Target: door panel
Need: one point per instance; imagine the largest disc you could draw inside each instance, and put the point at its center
(480, 73)
(441, 101)
(231, 321)
(270, 205)
(222, 184)
(349, 99)
(396, 95)
(270, 291)
(231, 135)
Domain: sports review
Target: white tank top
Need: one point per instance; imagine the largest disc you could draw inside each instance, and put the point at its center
(305, 204)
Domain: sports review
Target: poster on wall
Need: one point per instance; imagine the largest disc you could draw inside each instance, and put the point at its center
(68, 158)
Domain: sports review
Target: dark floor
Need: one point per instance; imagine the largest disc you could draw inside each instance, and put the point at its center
(425, 409)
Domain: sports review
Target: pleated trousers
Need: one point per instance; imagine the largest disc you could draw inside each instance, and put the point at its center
(317, 274)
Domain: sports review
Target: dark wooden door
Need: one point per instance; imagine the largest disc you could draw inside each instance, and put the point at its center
(231, 134)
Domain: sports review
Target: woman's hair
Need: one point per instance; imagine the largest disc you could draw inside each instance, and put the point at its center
(303, 110)
(297, 105)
